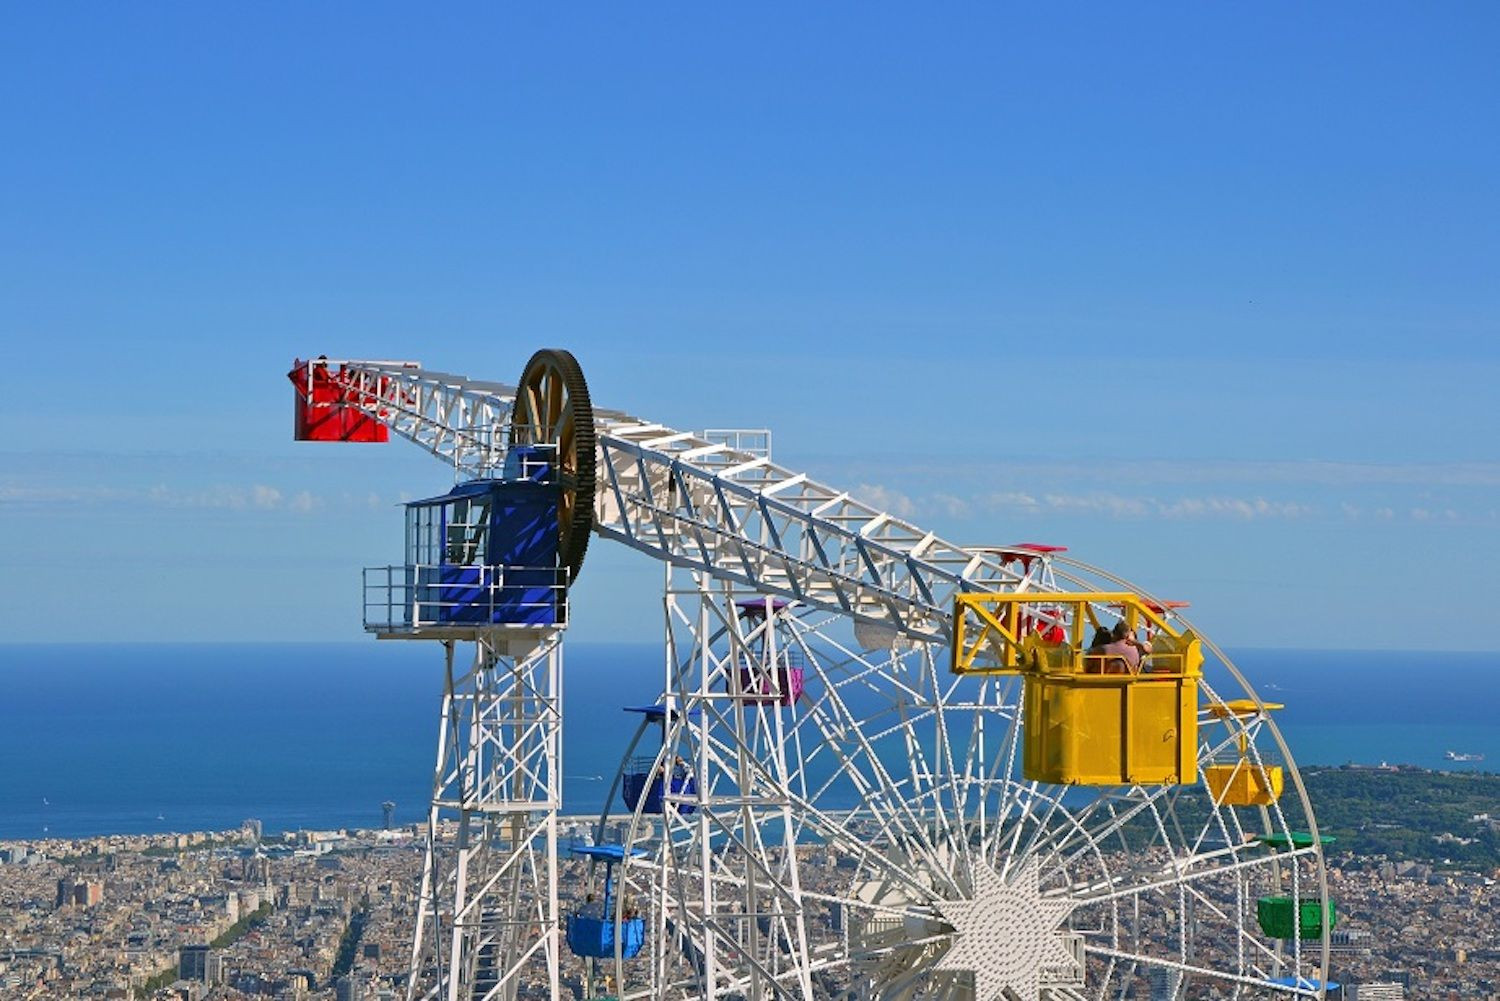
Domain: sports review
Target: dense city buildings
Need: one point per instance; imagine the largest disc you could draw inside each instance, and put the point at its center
(208, 915)
(329, 915)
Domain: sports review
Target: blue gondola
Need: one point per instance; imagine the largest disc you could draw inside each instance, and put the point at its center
(592, 930)
(649, 787)
(641, 780)
(1331, 988)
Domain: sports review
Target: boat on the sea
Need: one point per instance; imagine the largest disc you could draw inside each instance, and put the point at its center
(1461, 756)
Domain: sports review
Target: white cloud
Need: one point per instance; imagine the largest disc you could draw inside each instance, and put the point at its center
(1114, 505)
(947, 505)
(885, 499)
(63, 495)
(1011, 501)
(220, 497)
(1110, 505)
(1235, 507)
(1203, 471)
(1426, 474)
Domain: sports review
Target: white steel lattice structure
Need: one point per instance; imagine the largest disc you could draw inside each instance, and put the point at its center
(836, 813)
(497, 787)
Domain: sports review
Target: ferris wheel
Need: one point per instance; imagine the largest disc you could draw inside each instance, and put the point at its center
(874, 764)
(827, 814)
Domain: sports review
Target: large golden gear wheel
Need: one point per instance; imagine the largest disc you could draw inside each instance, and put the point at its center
(553, 408)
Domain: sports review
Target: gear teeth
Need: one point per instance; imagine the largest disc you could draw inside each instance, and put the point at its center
(560, 363)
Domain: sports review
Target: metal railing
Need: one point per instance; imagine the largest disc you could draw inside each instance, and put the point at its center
(408, 597)
(1025, 631)
(751, 441)
(1237, 755)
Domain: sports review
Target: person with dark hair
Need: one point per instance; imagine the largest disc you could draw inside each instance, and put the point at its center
(1123, 650)
(1093, 655)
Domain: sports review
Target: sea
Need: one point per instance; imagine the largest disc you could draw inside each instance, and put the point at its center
(140, 738)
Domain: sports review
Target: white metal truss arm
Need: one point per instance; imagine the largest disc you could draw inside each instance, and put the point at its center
(699, 503)
(461, 421)
(741, 517)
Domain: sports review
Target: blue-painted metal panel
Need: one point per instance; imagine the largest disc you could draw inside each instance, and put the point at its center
(515, 579)
(636, 785)
(658, 712)
(610, 853)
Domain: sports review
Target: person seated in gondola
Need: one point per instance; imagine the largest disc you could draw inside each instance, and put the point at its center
(1093, 661)
(1123, 653)
(671, 776)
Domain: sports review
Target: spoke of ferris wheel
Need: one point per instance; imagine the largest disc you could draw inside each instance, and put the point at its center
(833, 830)
(1212, 906)
(1112, 888)
(882, 795)
(1180, 871)
(826, 826)
(725, 937)
(1015, 797)
(843, 722)
(852, 845)
(1262, 982)
(885, 782)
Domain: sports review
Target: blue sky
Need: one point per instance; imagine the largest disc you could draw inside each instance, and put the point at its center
(1207, 293)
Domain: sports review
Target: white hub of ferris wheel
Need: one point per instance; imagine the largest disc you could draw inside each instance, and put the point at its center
(1006, 933)
(844, 794)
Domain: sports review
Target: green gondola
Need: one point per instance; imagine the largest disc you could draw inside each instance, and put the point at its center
(1294, 839)
(1281, 917)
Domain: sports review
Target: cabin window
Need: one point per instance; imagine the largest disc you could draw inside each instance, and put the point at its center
(423, 535)
(468, 524)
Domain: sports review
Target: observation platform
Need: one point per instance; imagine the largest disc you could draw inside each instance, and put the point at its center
(481, 557)
(443, 601)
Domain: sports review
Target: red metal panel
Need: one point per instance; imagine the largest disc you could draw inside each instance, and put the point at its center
(321, 409)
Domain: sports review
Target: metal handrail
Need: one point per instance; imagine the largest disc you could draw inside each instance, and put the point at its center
(413, 596)
(996, 633)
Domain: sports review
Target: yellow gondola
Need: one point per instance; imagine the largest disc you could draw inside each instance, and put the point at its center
(1089, 720)
(1242, 781)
